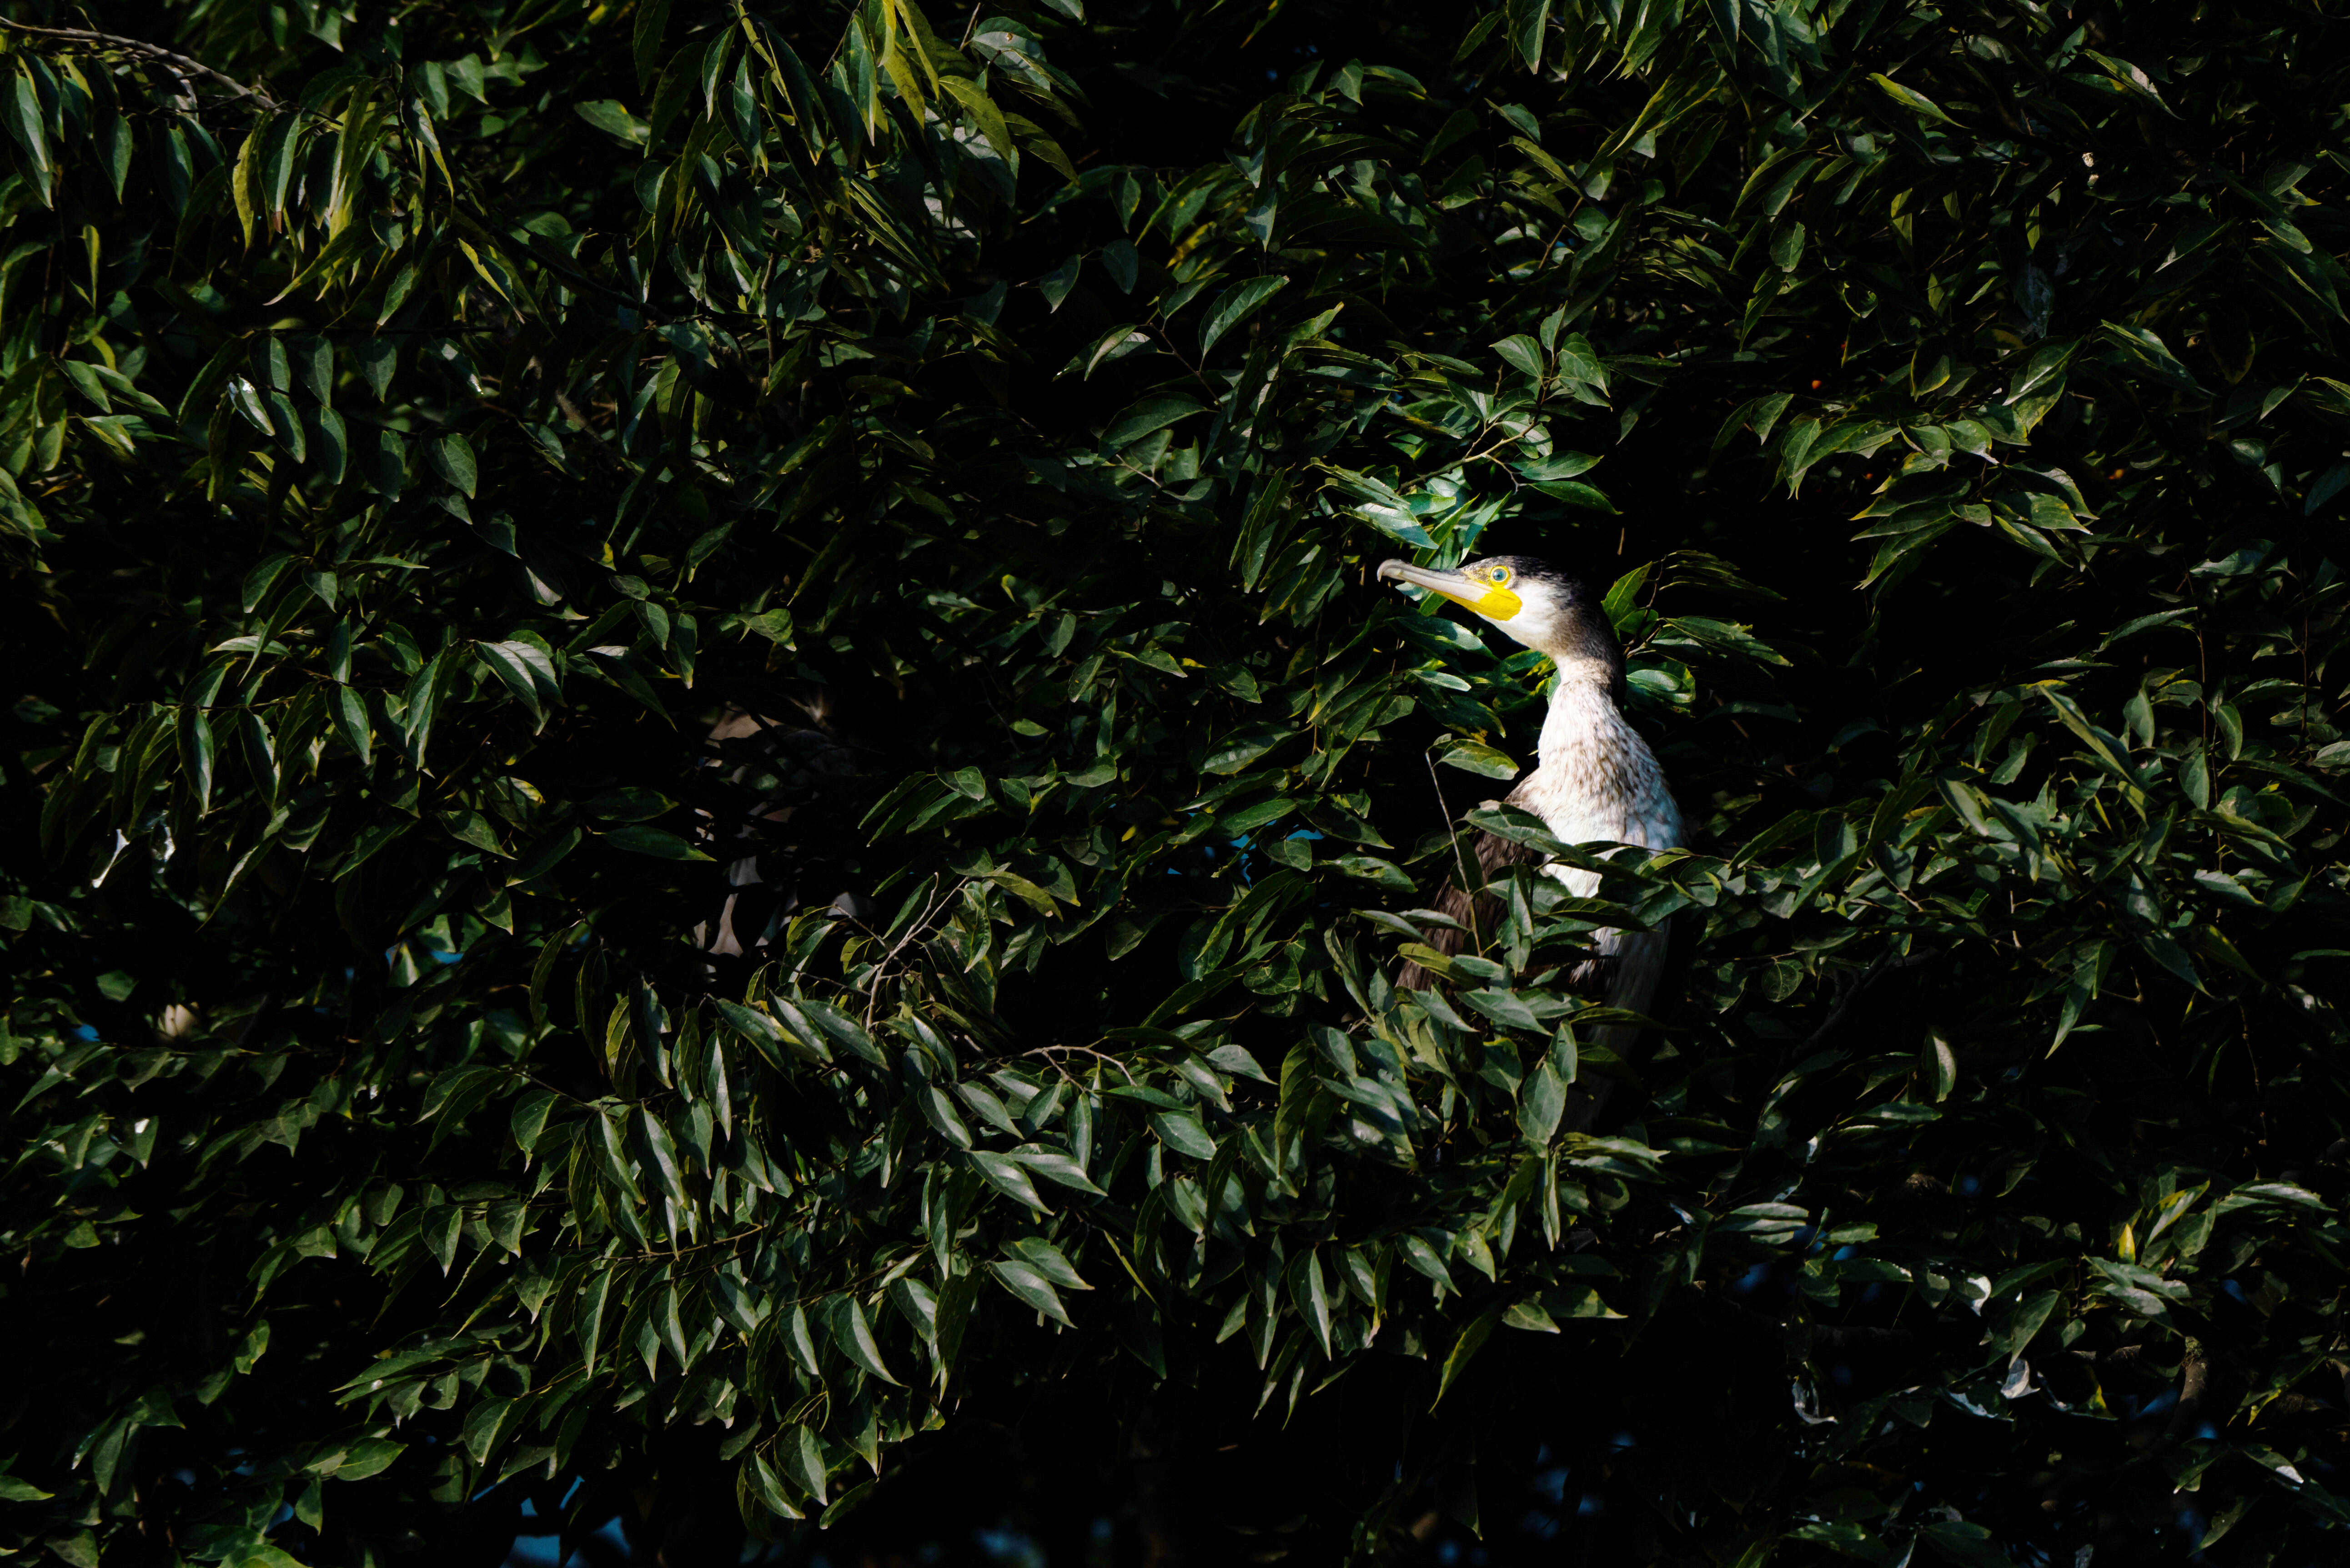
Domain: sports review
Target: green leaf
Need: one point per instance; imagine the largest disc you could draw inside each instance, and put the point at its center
(1478, 758)
(1027, 892)
(452, 456)
(528, 1120)
(1471, 1339)
(1623, 596)
(1575, 493)
(664, 1150)
(1048, 1260)
(1028, 1283)
(1181, 1131)
(263, 578)
(769, 1487)
(1234, 305)
(1527, 22)
(505, 661)
(1054, 286)
(955, 1301)
(656, 843)
(1055, 1165)
(1008, 1176)
(2046, 361)
(987, 117)
(479, 1433)
(854, 1336)
(26, 121)
(351, 720)
(843, 1030)
(274, 173)
(441, 1227)
(1915, 103)
(614, 120)
(1561, 465)
(1115, 344)
(80, 1549)
(589, 1319)
(802, 1453)
(1524, 354)
(612, 1148)
(1249, 818)
(1313, 1298)
(1384, 873)
(1541, 1101)
(471, 827)
(1147, 417)
(799, 1341)
(653, 19)
(1505, 1007)
(770, 1037)
(545, 854)
(1528, 1312)
(2329, 484)
(196, 755)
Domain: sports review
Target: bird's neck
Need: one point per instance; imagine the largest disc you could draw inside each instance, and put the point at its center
(1583, 712)
(1597, 780)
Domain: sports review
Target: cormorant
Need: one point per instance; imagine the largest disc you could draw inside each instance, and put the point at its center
(1596, 779)
(779, 765)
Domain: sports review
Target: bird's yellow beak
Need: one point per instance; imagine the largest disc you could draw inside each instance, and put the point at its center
(1493, 603)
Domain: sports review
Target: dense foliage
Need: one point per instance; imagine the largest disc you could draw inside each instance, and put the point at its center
(708, 816)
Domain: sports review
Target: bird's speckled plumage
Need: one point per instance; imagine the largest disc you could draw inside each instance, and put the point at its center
(1595, 781)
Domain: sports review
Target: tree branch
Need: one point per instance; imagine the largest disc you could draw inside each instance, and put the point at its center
(179, 65)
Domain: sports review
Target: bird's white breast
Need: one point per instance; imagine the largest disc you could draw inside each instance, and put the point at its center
(1597, 781)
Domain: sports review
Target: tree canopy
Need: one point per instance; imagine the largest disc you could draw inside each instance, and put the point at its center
(710, 816)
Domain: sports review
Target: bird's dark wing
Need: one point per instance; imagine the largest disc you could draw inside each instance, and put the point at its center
(1640, 972)
(1480, 911)
(1630, 970)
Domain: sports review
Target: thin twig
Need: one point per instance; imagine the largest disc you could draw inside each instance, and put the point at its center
(1049, 1052)
(1467, 893)
(881, 970)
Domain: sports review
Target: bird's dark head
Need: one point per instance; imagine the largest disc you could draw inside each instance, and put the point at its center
(1536, 603)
